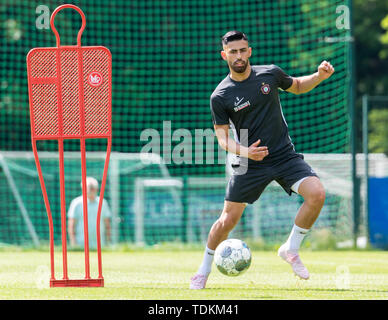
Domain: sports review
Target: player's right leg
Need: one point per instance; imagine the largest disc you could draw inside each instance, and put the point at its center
(230, 216)
(245, 186)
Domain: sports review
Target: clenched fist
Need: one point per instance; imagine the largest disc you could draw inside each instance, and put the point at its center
(325, 70)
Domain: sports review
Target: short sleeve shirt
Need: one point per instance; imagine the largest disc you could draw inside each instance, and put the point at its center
(76, 212)
(254, 104)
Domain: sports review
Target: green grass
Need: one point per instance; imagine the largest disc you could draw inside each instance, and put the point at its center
(153, 274)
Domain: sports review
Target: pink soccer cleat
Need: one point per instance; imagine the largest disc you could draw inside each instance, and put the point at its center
(198, 282)
(294, 260)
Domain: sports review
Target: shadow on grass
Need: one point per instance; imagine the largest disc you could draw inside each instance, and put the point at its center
(306, 289)
(224, 289)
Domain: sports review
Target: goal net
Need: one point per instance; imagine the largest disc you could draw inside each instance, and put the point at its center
(165, 65)
(150, 206)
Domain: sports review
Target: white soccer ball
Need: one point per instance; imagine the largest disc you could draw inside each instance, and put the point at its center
(232, 257)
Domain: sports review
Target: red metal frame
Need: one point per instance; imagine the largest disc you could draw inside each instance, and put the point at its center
(50, 119)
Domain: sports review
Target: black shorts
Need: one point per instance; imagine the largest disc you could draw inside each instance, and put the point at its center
(249, 186)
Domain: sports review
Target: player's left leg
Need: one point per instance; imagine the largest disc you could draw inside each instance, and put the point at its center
(312, 190)
(313, 193)
(295, 175)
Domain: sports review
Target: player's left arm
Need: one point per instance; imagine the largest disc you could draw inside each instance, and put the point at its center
(307, 83)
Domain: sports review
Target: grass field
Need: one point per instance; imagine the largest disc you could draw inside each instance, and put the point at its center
(165, 275)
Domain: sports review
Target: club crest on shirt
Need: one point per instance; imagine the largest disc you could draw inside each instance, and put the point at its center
(265, 88)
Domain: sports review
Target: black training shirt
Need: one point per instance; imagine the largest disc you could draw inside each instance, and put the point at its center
(254, 104)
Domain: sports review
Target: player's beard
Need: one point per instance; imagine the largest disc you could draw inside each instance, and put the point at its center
(239, 68)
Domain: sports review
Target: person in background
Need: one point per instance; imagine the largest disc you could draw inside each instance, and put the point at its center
(76, 222)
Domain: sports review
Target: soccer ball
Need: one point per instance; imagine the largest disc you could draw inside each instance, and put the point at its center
(232, 257)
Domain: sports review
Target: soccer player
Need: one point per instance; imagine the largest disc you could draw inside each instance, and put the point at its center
(76, 221)
(248, 98)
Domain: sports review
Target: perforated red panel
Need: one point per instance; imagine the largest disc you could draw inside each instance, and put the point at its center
(96, 94)
(78, 102)
(70, 93)
(45, 109)
(43, 63)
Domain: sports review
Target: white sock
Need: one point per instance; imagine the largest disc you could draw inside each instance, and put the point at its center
(296, 237)
(207, 261)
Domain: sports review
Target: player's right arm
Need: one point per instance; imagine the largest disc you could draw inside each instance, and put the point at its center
(221, 126)
(253, 152)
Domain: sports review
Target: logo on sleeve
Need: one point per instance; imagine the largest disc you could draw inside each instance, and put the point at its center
(265, 88)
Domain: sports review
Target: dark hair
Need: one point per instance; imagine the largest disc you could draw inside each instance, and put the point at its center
(233, 36)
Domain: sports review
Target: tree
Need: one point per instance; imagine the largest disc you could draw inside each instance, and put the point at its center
(370, 22)
(378, 133)
(384, 38)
